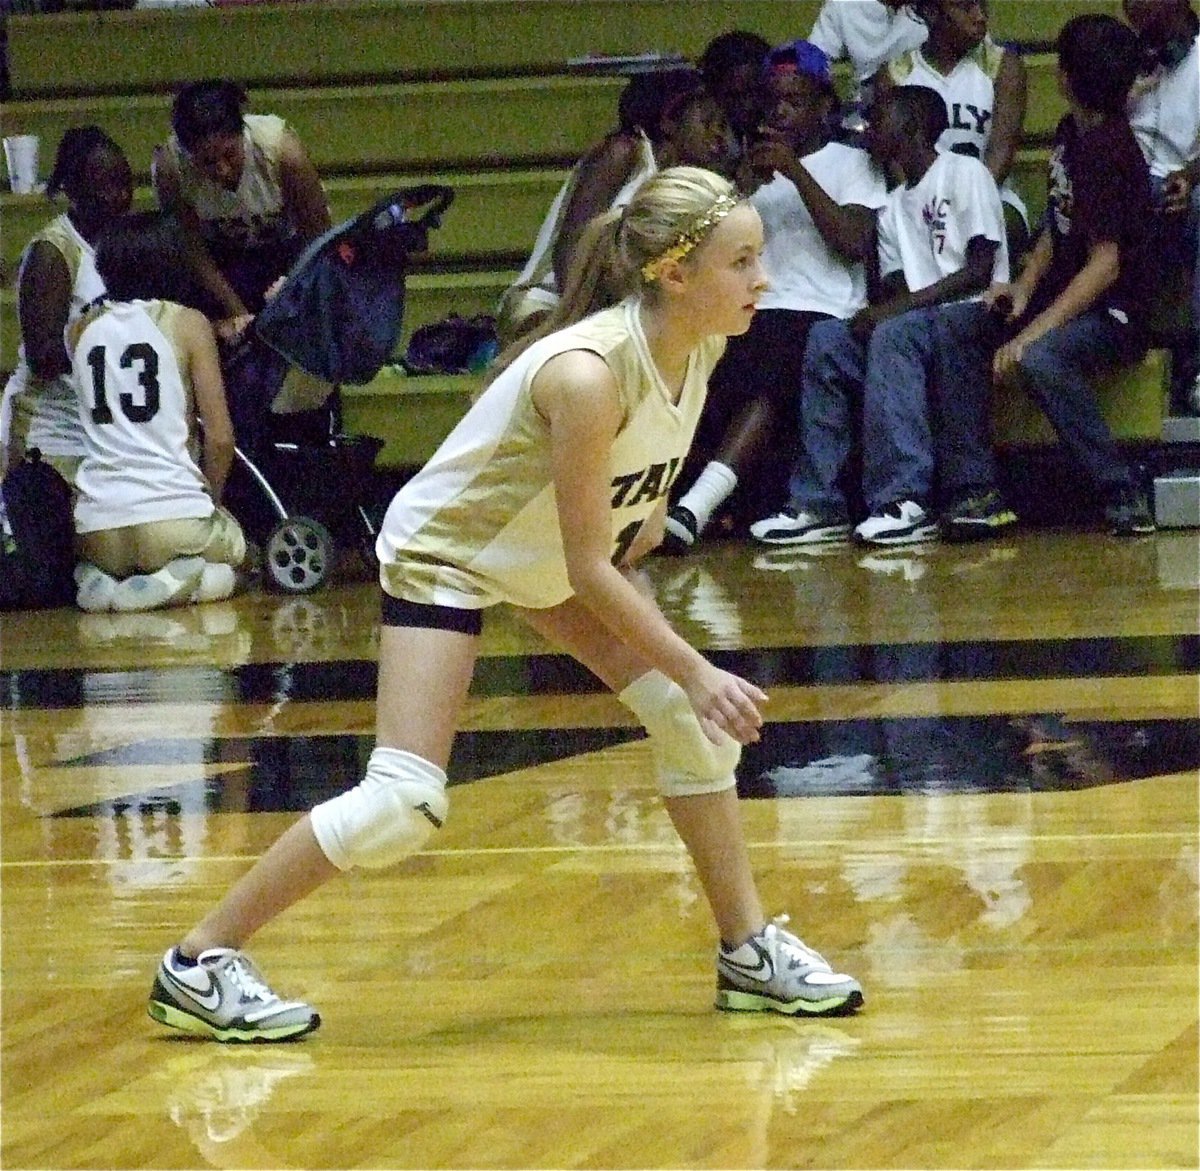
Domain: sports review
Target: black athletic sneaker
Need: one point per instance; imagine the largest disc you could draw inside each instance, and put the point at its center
(1128, 512)
(977, 516)
(681, 531)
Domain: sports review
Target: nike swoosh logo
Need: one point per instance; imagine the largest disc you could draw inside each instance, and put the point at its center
(209, 999)
(762, 968)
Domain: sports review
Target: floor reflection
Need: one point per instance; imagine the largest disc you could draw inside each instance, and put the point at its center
(962, 754)
(217, 1095)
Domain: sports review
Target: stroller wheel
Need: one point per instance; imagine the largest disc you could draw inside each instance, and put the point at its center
(298, 554)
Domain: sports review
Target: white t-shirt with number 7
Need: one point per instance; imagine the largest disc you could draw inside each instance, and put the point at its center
(924, 229)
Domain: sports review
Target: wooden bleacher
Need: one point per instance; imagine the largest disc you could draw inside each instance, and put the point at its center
(478, 94)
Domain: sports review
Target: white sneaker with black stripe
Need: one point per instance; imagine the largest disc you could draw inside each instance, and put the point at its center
(904, 522)
(774, 972)
(222, 995)
(791, 526)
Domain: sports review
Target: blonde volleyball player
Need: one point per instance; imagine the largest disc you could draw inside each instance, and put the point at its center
(544, 496)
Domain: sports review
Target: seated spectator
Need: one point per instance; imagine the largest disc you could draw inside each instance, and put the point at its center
(56, 282)
(665, 119)
(151, 532)
(941, 240)
(868, 34)
(246, 191)
(817, 200)
(1079, 307)
(1164, 111)
(983, 85)
(731, 66)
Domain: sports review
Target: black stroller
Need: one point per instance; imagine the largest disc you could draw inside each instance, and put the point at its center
(300, 482)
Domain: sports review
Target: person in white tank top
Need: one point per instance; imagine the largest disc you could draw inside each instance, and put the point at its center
(245, 186)
(57, 280)
(664, 119)
(984, 87)
(548, 479)
(158, 441)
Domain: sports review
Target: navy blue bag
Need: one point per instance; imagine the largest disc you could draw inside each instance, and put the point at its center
(339, 313)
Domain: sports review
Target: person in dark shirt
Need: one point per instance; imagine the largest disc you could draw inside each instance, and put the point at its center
(1078, 309)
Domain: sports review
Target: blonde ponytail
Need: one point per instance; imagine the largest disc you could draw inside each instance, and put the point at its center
(617, 251)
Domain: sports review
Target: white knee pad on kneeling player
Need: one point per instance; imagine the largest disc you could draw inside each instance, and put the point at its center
(391, 813)
(686, 760)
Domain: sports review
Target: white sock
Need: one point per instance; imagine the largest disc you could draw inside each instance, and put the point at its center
(94, 588)
(217, 582)
(712, 488)
(173, 585)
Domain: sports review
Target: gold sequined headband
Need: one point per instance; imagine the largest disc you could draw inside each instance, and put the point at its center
(687, 240)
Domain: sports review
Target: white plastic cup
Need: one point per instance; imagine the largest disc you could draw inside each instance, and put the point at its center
(21, 158)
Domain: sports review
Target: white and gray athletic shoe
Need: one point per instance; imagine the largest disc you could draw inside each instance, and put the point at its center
(792, 526)
(903, 523)
(223, 996)
(774, 972)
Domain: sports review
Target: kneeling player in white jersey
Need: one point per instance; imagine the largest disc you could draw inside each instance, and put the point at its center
(151, 531)
(544, 496)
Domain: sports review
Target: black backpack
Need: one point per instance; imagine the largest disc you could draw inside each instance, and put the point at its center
(455, 345)
(37, 559)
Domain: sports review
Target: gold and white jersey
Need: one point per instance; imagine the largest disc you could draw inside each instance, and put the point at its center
(479, 523)
(138, 414)
(252, 215)
(42, 412)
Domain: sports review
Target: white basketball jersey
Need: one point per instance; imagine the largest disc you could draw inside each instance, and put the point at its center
(479, 523)
(137, 410)
(866, 32)
(969, 91)
(39, 412)
(537, 280)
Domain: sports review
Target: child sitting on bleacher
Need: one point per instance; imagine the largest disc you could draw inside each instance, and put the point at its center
(941, 240)
(1079, 307)
(731, 65)
(56, 282)
(817, 200)
(151, 531)
(1164, 111)
(983, 85)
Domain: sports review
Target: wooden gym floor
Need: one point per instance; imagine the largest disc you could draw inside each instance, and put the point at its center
(978, 792)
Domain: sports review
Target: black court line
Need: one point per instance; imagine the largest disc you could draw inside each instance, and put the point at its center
(880, 757)
(1081, 658)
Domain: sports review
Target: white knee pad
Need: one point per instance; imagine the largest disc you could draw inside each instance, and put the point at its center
(686, 760)
(391, 813)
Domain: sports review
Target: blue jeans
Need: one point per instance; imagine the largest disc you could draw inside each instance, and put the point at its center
(967, 336)
(1057, 370)
(888, 378)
